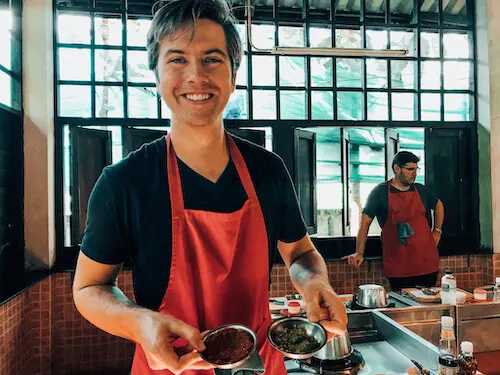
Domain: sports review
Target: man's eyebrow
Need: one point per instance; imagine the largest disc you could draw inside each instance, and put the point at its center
(215, 50)
(171, 51)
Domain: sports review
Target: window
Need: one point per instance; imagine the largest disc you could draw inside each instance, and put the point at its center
(361, 169)
(373, 89)
(104, 85)
(12, 243)
(10, 59)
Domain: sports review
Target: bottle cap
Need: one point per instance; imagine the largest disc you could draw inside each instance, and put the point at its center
(497, 280)
(467, 347)
(448, 361)
(448, 272)
(447, 321)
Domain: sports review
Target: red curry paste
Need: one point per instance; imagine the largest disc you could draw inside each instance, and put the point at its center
(227, 346)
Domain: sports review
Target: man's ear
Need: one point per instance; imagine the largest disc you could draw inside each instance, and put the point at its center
(233, 82)
(158, 86)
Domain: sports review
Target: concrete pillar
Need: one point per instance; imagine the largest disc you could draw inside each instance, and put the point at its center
(483, 125)
(38, 89)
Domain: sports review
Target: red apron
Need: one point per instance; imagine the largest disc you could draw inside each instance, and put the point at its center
(419, 255)
(220, 269)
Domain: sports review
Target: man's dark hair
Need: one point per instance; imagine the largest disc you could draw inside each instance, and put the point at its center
(176, 14)
(403, 157)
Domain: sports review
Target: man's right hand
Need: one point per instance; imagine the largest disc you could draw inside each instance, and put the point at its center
(158, 332)
(355, 259)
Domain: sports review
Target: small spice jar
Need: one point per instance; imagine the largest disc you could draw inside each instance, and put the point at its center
(480, 294)
(293, 307)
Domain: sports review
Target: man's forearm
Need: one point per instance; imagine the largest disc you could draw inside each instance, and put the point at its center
(361, 238)
(106, 307)
(439, 215)
(310, 267)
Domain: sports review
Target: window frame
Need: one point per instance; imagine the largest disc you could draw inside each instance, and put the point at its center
(282, 130)
(15, 72)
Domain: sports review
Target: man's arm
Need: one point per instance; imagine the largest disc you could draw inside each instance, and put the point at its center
(309, 275)
(356, 259)
(438, 221)
(438, 215)
(103, 304)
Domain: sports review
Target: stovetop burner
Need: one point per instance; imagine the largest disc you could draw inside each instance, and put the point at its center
(353, 305)
(347, 366)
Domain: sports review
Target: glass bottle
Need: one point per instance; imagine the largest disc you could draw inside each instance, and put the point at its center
(496, 290)
(448, 364)
(466, 362)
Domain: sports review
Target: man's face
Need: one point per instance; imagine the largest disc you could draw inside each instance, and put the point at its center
(406, 174)
(194, 75)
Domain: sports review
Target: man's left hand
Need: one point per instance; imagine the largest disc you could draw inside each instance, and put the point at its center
(324, 306)
(437, 237)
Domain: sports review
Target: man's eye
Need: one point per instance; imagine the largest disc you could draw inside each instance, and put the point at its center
(211, 60)
(178, 60)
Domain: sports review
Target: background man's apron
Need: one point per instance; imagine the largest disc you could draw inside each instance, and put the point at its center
(220, 268)
(419, 255)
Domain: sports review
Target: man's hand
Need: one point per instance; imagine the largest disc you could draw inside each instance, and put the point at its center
(437, 237)
(158, 332)
(324, 306)
(355, 259)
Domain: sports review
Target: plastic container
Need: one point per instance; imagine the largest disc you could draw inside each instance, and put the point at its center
(448, 364)
(467, 364)
(480, 294)
(293, 307)
(496, 290)
(448, 289)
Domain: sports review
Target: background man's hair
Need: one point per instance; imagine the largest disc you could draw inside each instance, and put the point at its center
(404, 157)
(174, 15)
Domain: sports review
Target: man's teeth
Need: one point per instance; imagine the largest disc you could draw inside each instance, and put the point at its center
(198, 97)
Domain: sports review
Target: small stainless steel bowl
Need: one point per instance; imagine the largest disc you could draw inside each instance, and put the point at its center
(372, 296)
(232, 365)
(339, 347)
(315, 330)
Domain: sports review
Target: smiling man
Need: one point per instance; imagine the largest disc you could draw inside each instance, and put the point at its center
(200, 214)
(403, 210)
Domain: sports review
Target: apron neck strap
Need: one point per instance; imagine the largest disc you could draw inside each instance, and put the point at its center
(241, 167)
(174, 179)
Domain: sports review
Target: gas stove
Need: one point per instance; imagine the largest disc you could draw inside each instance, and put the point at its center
(347, 366)
(394, 301)
(353, 306)
(374, 357)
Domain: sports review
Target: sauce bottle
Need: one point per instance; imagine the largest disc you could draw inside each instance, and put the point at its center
(466, 361)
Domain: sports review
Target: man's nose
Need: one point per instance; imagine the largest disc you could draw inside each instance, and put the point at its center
(197, 73)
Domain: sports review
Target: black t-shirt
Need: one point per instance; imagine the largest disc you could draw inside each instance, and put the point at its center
(377, 203)
(129, 212)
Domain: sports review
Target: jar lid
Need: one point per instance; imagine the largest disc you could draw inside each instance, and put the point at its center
(448, 361)
(447, 321)
(294, 304)
(467, 347)
(480, 291)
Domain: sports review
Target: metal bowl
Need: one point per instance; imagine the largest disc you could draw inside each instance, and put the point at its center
(339, 347)
(315, 330)
(372, 296)
(241, 361)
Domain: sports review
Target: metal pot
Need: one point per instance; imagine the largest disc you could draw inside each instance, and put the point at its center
(339, 347)
(372, 296)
